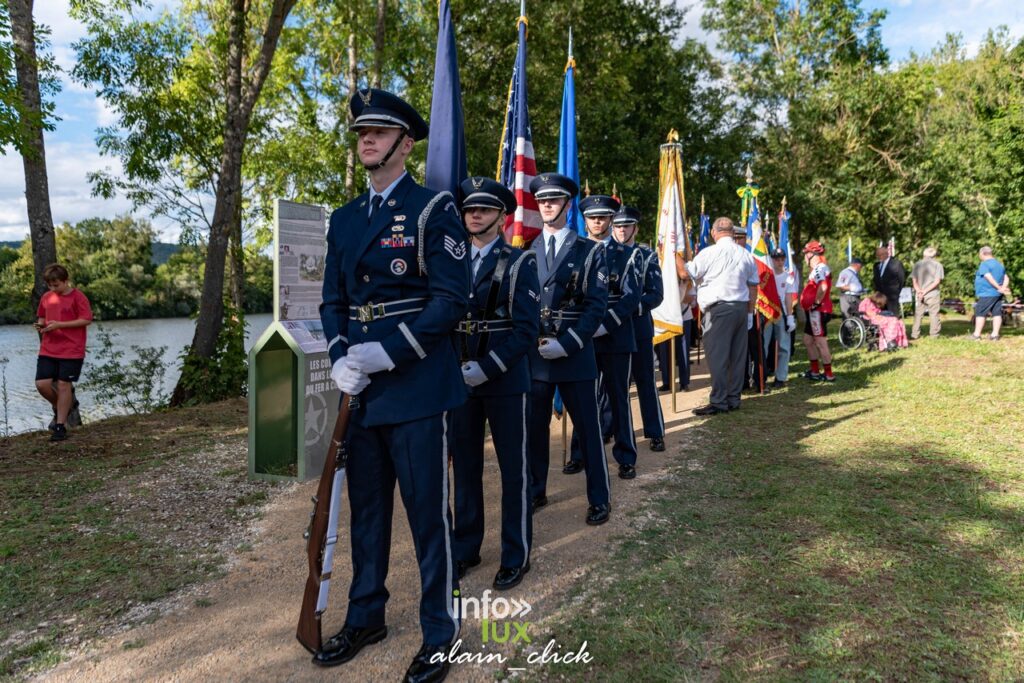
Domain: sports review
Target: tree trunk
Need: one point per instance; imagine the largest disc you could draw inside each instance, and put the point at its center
(353, 86)
(237, 255)
(378, 42)
(33, 155)
(240, 99)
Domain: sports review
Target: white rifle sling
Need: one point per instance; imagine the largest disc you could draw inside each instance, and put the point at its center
(331, 540)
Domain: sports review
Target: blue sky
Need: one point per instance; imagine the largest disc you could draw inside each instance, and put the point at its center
(71, 153)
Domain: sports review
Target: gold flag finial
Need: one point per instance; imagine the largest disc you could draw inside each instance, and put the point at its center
(586, 188)
(783, 203)
(673, 136)
(750, 175)
(702, 203)
(615, 192)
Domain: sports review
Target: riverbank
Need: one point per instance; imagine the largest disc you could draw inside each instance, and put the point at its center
(109, 528)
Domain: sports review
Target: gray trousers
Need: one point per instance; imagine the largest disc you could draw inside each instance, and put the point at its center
(725, 339)
(930, 305)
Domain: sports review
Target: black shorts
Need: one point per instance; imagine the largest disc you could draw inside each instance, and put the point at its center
(989, 305)
(64, 369)
(808, 328)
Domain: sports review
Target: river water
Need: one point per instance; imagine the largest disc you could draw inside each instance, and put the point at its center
(27, 410)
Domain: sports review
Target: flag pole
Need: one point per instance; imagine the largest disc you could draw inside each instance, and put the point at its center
(565, 438)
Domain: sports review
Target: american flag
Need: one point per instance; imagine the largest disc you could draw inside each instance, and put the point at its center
(517, 165)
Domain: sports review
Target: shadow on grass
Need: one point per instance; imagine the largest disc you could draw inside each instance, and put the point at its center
(823, 532)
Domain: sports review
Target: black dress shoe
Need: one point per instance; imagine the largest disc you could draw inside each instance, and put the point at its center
(627, 472)
(573, 467)
(507, 577)
(709, 410)
(598, 514)
(778, 384)
(462, 566)
(657, 444)
(607, 439)
(347, 643)
(427, 666)
(663, 388)
(539, 502)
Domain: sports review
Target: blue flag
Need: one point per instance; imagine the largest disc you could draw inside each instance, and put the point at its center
(568, 160)
(446, 148)
(755, 215)
(784, 217)
(705, 231)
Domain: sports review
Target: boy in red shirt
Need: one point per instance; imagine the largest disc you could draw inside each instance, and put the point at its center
(816, 300)
(63, 315)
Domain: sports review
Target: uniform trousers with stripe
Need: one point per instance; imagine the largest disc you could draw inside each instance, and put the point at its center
(613, 391)
(580, 399)
(507, 417)
(415, 454)
(647, 390)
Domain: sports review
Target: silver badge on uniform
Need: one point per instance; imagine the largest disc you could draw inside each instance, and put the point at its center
(398, 266)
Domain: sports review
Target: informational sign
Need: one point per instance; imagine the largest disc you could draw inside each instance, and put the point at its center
(292, 400)
(300, 250)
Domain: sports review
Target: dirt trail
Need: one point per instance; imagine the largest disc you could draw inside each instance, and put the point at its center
(242, 626)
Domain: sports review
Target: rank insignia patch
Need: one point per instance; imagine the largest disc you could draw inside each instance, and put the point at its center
(454, 247)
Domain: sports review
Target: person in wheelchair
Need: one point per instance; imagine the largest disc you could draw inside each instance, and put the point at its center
(892, 333)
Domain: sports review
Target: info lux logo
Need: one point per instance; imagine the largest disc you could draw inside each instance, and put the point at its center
(490, 611)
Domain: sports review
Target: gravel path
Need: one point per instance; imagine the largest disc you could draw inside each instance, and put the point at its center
(242, 626)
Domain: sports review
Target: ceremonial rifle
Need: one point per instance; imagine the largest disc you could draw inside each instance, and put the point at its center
(322, 533)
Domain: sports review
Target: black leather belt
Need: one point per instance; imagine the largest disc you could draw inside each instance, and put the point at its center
(370, 311)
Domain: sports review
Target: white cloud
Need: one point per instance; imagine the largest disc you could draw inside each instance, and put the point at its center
(71, 200)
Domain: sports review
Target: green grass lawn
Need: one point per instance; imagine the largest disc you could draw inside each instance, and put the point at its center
(870, 529)
(121, 514)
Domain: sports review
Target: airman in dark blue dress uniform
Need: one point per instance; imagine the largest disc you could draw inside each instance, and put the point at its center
(614, 341)
(574, 294)
(625, 225)
(494, 340)
(396, 283)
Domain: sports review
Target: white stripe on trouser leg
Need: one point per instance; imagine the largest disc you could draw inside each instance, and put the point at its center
(600, 440)
(526, 483)
(654, 385)
(449, 604)
(629, 408)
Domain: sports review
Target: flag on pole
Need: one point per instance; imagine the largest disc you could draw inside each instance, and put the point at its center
(568, 160)
(748, 204)
(768, 303)
(784, 217)
(668, 316)
(446, 148)
(705, 227)
(517, 164)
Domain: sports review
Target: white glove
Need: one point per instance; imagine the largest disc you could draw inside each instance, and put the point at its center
(600, 331)
(473, 374)
(750, 321)
(551, 349)
(348, 379)
(790, 323)
(369, 357)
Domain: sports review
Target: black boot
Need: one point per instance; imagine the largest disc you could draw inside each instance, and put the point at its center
(430, 665)
(347, 643)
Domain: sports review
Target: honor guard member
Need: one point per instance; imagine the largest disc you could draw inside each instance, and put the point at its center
(494, 340)
(573, 297)
(624, 228)
(614, 341)
(396, 283)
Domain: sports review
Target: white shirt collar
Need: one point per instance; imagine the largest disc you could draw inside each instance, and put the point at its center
(484, 250)
(560, 237)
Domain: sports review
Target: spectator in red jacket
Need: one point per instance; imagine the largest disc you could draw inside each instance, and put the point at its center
(63, 315)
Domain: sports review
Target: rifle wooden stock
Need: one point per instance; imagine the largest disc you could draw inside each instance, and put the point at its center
(308, 632)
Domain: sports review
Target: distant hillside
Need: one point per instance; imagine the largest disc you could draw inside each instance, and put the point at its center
(161, 250)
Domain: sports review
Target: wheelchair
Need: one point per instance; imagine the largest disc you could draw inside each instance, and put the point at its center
(855, 332)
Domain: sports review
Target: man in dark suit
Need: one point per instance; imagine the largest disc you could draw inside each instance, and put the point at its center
(494, 340)
(889, 277)
(573, 299)
(397, 280)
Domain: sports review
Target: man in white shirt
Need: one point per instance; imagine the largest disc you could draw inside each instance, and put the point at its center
(727, 280)
(785, 283)
(850, 285)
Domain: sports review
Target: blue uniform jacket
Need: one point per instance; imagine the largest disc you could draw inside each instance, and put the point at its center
(587, 308)
(505, 358)
(649, 271)
(623, 298)
(414, 248)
